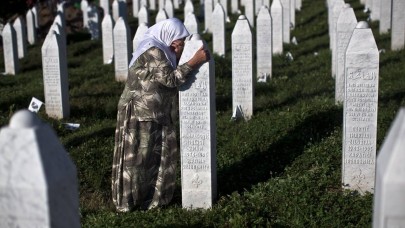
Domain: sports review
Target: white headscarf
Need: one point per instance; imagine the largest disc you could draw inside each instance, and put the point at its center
(161, 35)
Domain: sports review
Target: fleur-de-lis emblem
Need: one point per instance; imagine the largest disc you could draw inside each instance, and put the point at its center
(359, 177)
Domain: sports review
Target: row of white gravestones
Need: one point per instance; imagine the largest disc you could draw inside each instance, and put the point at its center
(38, 180)
(198, 131)
(389, 198)
(242, 69)
(10, 50)
(360, 111)
(344, 28)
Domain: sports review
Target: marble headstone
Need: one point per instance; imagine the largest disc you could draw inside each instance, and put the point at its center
(55, 75)
(397, 25)
(242, 67)
(161, 15)
(142, 28)
(191, 24)
(143, 15)
(21, 36)
(389, 198)
(105, 5)
(375, 11)
(198, 132)
(38, 184)
(292, 13)
(344, 28)
(250, 12)
(83, 6)
(277, 19)
(208, 9)
(234, 6)
(152, 5)
(286, 20)
(31, 29)
(264, 44)
(360, 110)
(169, 8)
(385, 16)
(10, 50)
(107, 26)
(122, 49)
(336, 10)
(218, 30)
(188, 8)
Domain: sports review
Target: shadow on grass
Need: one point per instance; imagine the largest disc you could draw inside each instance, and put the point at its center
(261, 166)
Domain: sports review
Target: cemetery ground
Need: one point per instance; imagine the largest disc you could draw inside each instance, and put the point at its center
(281, 169)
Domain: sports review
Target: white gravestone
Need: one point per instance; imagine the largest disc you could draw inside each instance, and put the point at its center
(94, 24)
(242, 67)
(161, 15)
(344, 28)
(21, 36)
(375, 11)
(286, 20)
(277, 20)
(143, 15)
(142, 28)
(385, 16)
(152, 5)
(31, 29)
(119, 9)
(198, 132)
(10, 51)
(264, 44)
(35, 13)
(258, 6)
(298, 5)
(161, 4)
(208, 15)
(122, 49)
(191, 23)
(224, 4)
(169, 8)
(55, 75)
(38, 183)
(397, 25)
(360, 111)
(105, 5)
(218, 30)
(83, 6)
(336, 10)
(389, 198)
(188, 8)
(330, 16)
(107, 26)
(250, 12)
(234, 6)
(176, 4)
(292, 13)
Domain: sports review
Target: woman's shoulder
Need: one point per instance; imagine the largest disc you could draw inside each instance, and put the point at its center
(155, 53)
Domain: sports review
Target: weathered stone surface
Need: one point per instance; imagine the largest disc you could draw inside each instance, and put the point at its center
(397, 25)
(38, 180)
(277, 19)
(122, 49)
(389, 198)
(218, 30)
(360, 111)
(108, 39)
(242, 68)
(264, 39)
(198, 132)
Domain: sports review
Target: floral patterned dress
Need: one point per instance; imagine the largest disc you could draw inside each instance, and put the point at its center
(145, 152)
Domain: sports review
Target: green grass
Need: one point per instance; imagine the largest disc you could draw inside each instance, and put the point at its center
(280, 169)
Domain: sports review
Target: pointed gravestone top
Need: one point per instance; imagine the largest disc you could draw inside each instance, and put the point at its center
(362, 25)
(24, 119)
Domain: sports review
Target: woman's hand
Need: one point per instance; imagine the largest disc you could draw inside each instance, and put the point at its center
(200, 57)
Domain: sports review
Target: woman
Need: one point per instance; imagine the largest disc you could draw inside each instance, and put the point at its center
(145, 152)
